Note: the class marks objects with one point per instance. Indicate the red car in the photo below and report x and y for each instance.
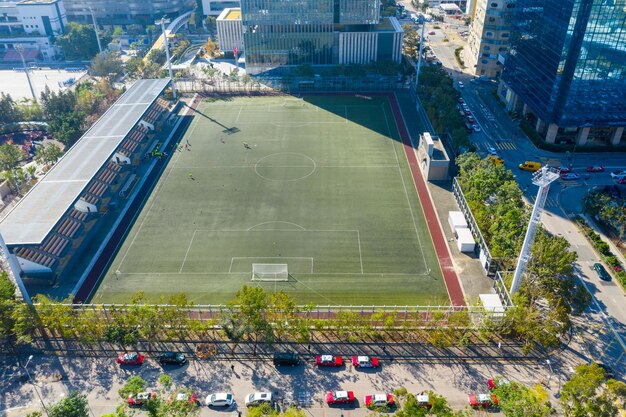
(471, 119)
(132, 358)
(595, 168)
(482, 400)
(328, 360)
(141, 398)
(339, 397)
(364, 362)
(379, 400)
(495, 383)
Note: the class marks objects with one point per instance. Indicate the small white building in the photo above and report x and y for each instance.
(31, 24)
(465, 240)
(230, 30)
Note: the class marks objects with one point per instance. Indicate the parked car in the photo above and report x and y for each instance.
(172, 358)
(286, 358)
(141, 398)
(495, 383)
(595, 168)
(496, 159)
(618, 175)
(364, 362)
(184, 397)
(339, 397)
(219, 399)
(461, 85)
(471, 119)
(570, 176)
(130, 358)
(602, 274)
(423, 400)
(328, 360)
(461, 100)
(476, 127)
(258, 398)
(492, 151)
(564, 169)
(432, 32)
(482, 400)
(379, 400)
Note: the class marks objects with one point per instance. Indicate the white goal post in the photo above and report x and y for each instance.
(270, 272)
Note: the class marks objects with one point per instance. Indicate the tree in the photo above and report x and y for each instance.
(74, 405)
(233, 327)
(9, 112)
(10, 156)
(210, 47)
(251, 303)
(211, 23)
(517, 400)
(134, 385)
(107, 64)
(157, 56)
(54, 104)
(48, 154)
(79, 42)
(585, 395)
(67, 128)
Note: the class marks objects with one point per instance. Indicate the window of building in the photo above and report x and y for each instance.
(492, 19)
(484, 61)
(494, 5)
(505, 35)
(486, 48)
(489, 34)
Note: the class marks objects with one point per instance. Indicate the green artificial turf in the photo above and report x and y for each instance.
(324, 187)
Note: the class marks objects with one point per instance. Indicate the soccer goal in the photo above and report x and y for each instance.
(294, 103)
(270, 272)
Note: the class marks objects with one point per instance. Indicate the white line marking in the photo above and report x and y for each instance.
(358, 235)
(188, 249)
(406, 192)
(238, 114)
(277, 221)
(154, 194)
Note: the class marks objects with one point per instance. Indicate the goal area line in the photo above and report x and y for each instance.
(268, 259)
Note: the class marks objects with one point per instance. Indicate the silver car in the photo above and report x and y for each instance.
(258, 398)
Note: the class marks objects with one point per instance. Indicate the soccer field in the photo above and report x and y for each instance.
(320, 183)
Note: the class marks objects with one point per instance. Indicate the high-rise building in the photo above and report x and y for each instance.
(126, 12)
(216, 7)
(279, 33)
(566, 69)
(489, 37)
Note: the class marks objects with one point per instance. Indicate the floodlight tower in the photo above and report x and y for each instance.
(542, 178)
(162, 22)
(20, 50)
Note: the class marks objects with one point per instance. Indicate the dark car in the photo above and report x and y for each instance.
(286, 358)
(608, 371)
(172, 358)
(604, 276)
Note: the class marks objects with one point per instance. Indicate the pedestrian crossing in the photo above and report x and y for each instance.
(550, 201)
(506, 145)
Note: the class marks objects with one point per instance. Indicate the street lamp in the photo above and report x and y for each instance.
(95, 28)
(162, 22)
(34, 385)
(551, 371)
(20, 50)
(422, 21)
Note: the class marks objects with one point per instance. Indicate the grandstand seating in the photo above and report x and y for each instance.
(69, 227)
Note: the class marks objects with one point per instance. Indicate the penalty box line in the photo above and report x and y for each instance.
(193, 236)
(232, 260)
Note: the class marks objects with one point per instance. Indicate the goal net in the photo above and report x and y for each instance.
(270, 272)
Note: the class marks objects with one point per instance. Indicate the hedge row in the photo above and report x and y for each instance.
(605, 251)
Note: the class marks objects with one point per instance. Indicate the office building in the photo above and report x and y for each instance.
(489, 37)
(566, 69)
(280, 33)
(216, 7)
(32, 24)
(126, 12)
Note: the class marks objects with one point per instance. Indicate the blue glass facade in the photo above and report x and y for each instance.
(567, 61)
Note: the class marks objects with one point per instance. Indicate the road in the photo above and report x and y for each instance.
(603, 327)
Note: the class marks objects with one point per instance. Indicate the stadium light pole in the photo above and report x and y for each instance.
(422, 21)
(20, 50)
(95, 28)
(162, 22)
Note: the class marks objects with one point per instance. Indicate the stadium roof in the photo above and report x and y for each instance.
(32, 219)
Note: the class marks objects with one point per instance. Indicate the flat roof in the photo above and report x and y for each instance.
(233, 13)
(32, 219)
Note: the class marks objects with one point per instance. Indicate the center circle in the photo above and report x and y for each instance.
(285, 166)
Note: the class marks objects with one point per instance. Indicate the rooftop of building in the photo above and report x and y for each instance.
(37, 2)
(230, 14)
(32, 219)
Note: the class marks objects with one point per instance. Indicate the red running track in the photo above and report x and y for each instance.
(441, 246)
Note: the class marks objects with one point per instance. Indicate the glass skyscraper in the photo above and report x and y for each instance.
(280, 33)
(566, 69)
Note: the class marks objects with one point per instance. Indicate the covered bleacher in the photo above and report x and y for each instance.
(47, 226)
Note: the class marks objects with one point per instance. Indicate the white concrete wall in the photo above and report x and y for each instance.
(357, 47)
(229, 33)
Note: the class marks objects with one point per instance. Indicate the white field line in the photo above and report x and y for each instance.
(232, 259)
(358, 235)
(188, 249)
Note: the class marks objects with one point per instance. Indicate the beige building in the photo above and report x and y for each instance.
(489, 37)
(230, 31)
